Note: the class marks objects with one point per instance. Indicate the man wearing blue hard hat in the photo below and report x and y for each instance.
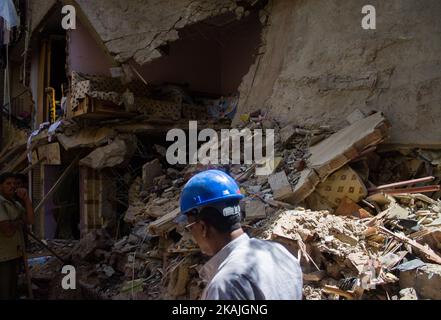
(240, 267)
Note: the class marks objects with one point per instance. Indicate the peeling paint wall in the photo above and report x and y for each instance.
(319, 65)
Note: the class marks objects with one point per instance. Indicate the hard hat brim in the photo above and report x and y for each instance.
(182, 217)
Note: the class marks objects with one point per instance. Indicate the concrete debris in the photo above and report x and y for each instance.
(353, 240)
(115, 153)
(408, 294)
(343, 146)
(280, 186)
(355, 116)
(254, 210)
(425, 280)
(87, 137)
(89, 246)
(150, 171)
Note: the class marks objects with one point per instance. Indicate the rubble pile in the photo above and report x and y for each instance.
(326, 201)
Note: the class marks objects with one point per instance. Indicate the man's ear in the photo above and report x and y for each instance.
(204, 229)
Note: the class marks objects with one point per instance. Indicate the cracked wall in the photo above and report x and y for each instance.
(318, 65)
(38, 10)
(209, 56)
(136, 28)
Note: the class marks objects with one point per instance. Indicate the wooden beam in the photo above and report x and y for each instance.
(430, 254)
(402, 183)
(425, 189)
(334, 290)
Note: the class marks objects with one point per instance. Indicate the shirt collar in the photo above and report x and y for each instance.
(210, 268)
(4, 199)
(14, 202)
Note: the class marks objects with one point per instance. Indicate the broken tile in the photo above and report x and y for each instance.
(343, 183)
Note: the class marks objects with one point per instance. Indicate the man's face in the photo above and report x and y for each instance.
(7, 188)
(18, 183)
(198, 230)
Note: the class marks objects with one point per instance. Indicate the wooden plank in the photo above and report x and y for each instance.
(402, 183)
(13, 164)
(314, 276)
(424, 189)
(11, 152)
(165, 223)
(6, 148)
(334, 290)
(430, 254)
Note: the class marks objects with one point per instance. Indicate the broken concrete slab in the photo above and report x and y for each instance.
(115, 153)
(165, 19)
(337, 150)
(355, 116)
(133, 211)
(92, 241)
(286, 134)
(304, 187)
(426, 281)
(280, 186)
(161, 150)
(433, 240)
(87, 138)
(341, 147)
(150, 171)
(254, 210)
(162, 182)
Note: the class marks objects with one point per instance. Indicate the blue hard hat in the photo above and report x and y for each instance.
(208, 187)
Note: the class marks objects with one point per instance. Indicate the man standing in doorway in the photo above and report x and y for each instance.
(240, 268)
(14, 215)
